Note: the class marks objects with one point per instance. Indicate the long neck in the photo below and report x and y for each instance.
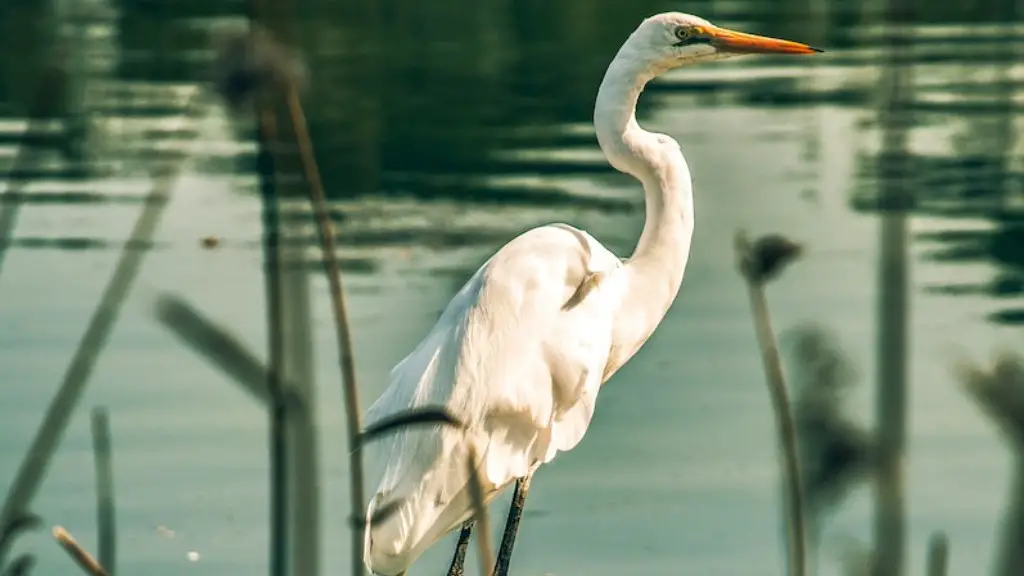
(657, 265)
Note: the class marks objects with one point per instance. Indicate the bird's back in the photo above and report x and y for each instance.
(518, 355)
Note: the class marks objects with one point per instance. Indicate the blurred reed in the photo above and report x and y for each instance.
(255, 66)
(9, 531)
(215, 344)
(759, 262)
(21, 566)
(338, 306)
(999, 393)
(893, 303)
(938, 554)
(265, 170)
(249, 67)
(105, 517)
(835, 451)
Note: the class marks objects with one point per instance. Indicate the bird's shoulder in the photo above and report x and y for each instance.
(546, 266)
(512, 304)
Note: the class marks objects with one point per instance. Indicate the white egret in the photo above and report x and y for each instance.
(522, 350)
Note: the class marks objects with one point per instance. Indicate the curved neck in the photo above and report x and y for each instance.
(656, 267)
(653, 159)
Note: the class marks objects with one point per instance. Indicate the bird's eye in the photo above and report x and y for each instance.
(683, 33)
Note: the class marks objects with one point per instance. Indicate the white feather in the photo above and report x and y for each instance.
(509, 360)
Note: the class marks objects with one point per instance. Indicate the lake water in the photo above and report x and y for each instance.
(444, 129)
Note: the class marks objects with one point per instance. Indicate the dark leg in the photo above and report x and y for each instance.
(515, 513)
(459, 560)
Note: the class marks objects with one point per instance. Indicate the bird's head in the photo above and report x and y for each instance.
(673, 39)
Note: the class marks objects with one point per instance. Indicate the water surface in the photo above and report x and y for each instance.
(444, 129)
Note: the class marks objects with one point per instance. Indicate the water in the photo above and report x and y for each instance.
(442, 132)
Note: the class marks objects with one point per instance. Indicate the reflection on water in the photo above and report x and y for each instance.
(443, 128)
(485, 103)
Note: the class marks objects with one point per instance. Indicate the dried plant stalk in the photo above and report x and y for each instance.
(338, 306)
(81, 557)
(796, 526)
(17, 525)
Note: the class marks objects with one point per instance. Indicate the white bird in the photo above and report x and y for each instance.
(522, 350)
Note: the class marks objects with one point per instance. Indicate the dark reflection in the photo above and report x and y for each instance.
(980, 176)
(75, 243)
(66, 198)
(433, 100)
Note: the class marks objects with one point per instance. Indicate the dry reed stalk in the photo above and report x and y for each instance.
(342, 326)
(757, 263)
(104, 462)
(80, 555)
(251, 65)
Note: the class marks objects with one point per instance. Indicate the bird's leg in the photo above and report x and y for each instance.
(515, 513)
(459, 559)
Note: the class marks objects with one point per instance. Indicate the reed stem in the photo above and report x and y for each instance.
(267, 136)
(105, 517)
(346, 357)
(938, 554)
(796, 533)
(80, 555)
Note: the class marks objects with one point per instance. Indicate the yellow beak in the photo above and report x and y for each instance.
(743, 43)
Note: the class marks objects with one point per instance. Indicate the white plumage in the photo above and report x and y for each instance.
(512, 326)
(522, 350)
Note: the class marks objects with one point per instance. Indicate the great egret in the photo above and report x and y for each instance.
(522, 350)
